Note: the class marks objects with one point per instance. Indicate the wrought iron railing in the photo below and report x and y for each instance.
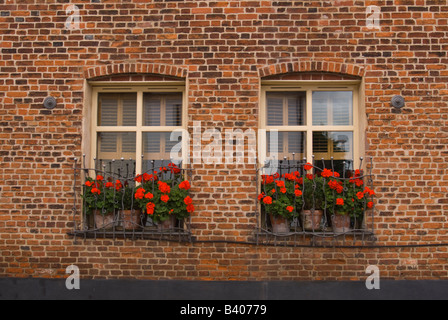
(322, 201)
(310, 196)
(109, 200)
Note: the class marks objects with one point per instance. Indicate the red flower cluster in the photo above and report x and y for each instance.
(185, 185)
(267, 200)
(189, 202)
(173, 168)
(140, 193)
(150, 207)
(308, 166)
(164, 187)
(336, 185)
(146, 177)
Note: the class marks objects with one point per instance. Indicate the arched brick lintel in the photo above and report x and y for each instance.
(134, 68)
(312, 66)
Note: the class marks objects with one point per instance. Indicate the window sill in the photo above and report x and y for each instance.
(174, 234)
(298, 238)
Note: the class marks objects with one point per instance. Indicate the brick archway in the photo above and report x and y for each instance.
(134, 68)
(312, 66)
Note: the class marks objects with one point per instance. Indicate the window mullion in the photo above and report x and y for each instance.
(309, 124)
(138, 134)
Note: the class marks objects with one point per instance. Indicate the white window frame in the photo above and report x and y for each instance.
(309, 128)
(140, 88)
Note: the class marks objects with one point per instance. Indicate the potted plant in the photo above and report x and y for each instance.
(280, 200)
(313, 198)
(131, 215)
(347, 201)
(165, 200)
(100, 202)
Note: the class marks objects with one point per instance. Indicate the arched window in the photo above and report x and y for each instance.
(137, 117)
(306, 119)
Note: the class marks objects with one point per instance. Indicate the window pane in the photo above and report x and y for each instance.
(332, 108)
(115, 109)
(116, 145)
(129, 109)
(162, 109)
(274, 110)
(338, 145)
(152, 106)
(173, 111)
(285, 108)
(296, 108)
(286, 144)
(158, 145)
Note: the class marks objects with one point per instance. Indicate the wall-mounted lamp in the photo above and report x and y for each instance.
(50, 103)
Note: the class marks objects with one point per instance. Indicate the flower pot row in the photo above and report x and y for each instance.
(311, 221)
(127, 220)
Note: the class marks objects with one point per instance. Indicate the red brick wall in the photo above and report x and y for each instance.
(223, 49)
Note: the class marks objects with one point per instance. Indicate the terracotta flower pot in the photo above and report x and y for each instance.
(312, 221)
(168, 224)
(279, 224)
(341, 222)
(106, 221)
(131, 219)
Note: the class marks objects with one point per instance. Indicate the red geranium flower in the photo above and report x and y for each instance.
(369, 191)
(339, 201)
(267, 179)
(267, 200)
(308, 166)
(289, 208)
(185, 185)
(164, 187)
(140, 193)
(165, 198)
(150, 208)
(173, 168)
(188, 200)
(280, 184)
(149, 195)
(326, 173)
